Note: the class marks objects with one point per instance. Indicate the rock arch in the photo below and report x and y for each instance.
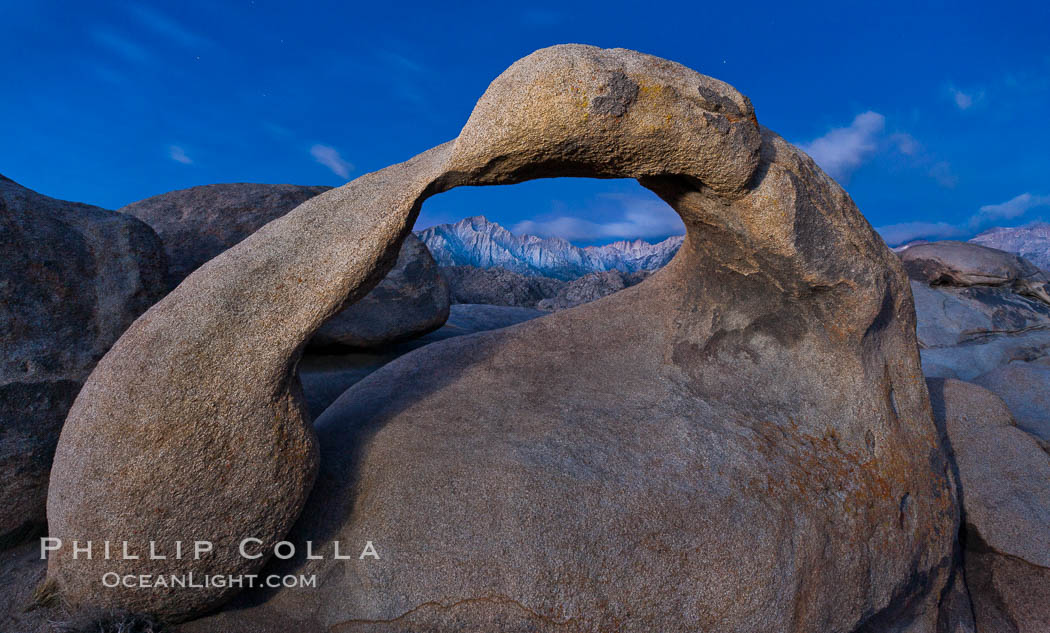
(766, 383)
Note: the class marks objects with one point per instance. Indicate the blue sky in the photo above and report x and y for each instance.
(935, 117)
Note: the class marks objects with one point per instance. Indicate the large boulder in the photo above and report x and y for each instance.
(742, 442)
(978, 308)
(72, 278)
(1003, 475)
(965, 264)
(412, 299)
(1025, 388)
(199, 223)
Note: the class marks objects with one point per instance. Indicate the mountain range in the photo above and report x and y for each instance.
(475, 241)
(1031, 242)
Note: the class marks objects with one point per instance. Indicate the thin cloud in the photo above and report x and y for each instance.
(167, 27)
(640, 219)
(843, 149)
(1012, 208)
(987, 215)
(964, 100)
(122, 46)
(179, 155)
(895, 234)
(330, 158)
(400, 61)
(943, 174)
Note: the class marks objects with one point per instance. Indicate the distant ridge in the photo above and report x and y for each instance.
(475, 241)
(1031, 242)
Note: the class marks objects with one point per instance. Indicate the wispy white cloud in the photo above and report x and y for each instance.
(330, 158)
(965, 99)
(843, 149)
(179, 155)
(400, 61)
(1012, 208)
(907, 231)
(638, 218)
(941, 171)
(985, 216)
(122, 46)
(167, 27)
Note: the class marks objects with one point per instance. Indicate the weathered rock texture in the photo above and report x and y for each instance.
(412, 299)
(498, 286)
(964, 264)
(199, 223)
(742, 442)
(1025, 388)
(1003, 475)
(591, 288)
(978, 308)
(72, 278)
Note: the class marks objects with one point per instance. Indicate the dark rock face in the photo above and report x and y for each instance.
(964, 264)
(591, 288)
(72, 278)
(750, 422)
(412, 299)
(501, 287)
(325, 376)
(1003, 475)
(1025, 388)
(977, 308)
(498, 286)
(199, 223)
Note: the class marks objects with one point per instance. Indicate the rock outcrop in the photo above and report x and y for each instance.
(199, 223)
(591, 288)
(477, 242)
(325, 376)
(498, 286)
(412, 299)
(978, 308)
(964, 264)
(1003, 475)
(1025, 388)
(742, 442)
(72, 278)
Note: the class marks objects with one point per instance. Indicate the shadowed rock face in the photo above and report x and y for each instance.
(1003, 475)
(742, 442)
(72, 278)
(978, 308)
(198, 223)
(964, 264)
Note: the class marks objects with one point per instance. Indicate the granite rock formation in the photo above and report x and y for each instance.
(978, 308)
(742, 442)
(199, 223)
(412, 299)
(72, 278)
(1003, 475)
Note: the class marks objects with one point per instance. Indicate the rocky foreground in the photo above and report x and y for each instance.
(743, 440)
